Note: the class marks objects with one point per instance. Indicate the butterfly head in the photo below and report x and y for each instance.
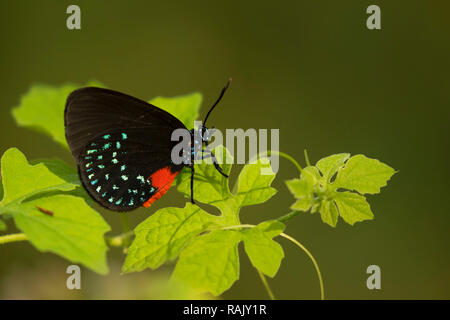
(206, 133)
(201, 135)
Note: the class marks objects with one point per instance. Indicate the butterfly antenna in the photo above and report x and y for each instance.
(217, 101)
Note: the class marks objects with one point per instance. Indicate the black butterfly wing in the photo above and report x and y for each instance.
(122, 147)
(91, 111)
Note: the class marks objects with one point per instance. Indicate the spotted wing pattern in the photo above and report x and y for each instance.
(123, 156)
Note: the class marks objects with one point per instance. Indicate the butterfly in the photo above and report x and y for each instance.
(122, 146)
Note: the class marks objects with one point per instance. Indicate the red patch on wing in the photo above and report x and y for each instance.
(162, 180)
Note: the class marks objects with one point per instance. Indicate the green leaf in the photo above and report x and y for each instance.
(302, 190)
(185, 107)
(303, 204)
(212, 188)
(264, 253)
(353, 207)
(42, 109)
(363, 175)
(58, 223)
(299, 188)
(162, 236)
(61, 169)
(209, 185)
(64, 171)
(330, 165)
(270, 228)
(311, 175)
(21, 180)
(3, 226)
(73, 230)
(210, 262)
(314, 191)
(254, 187)
(329, 213)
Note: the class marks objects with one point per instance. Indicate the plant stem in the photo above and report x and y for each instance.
(123, 239)
(119, 241)
(283, 155)
(307, 158)
(298, 244)
(13, 238)
(266, 285)
(288, 216)
(126, 228)
(291, 159)
(322, 294)
(125, 222)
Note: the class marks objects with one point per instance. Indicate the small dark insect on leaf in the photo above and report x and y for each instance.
(45, 211)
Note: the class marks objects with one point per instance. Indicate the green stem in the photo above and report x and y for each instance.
(125, 222)
(13, 238)
(126, 228)
(307, 158)
(319, 275)
(117, 241)
(283, 155)
(298, 244)
(121, 240)
(288, 216)
(266, 285)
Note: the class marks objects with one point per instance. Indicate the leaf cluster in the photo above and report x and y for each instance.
(336, 186)
(47, 203)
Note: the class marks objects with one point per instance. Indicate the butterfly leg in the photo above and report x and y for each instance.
(218, 168)
(209, 154)
(192, 184)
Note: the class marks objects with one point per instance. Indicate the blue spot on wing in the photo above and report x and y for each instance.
(118, 184)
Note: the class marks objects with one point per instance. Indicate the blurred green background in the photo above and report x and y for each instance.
(311, 69)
